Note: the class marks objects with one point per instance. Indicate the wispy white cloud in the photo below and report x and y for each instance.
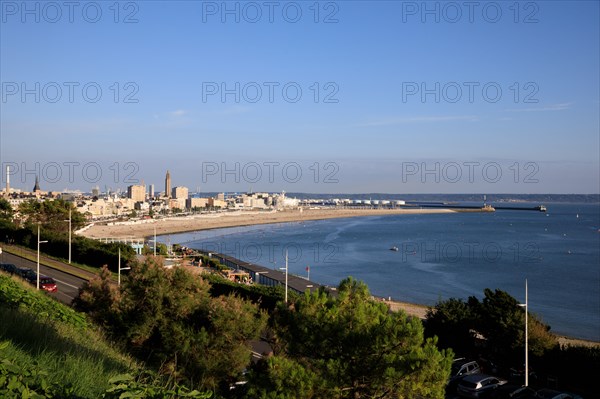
(550, 107)
(419, 119)
(178, 113)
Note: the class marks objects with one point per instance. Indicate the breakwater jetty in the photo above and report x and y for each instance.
(451, 205)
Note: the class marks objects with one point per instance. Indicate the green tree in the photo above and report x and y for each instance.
(278, 377)
(502, 321)
(358, 348)
(498, 318)
(452, 321)
(52, 214)
(168, 317)
(6, 211)
(161, 249)
(99, 298)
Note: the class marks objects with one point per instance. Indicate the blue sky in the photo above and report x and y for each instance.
(368, 130)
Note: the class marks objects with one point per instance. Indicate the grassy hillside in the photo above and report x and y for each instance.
(49, 350)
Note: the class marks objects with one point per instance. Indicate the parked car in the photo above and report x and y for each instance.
(518, 374)
(461, 367)
(25, 272)
(512, 391)
(48, 284)
(552, 394)
(478, 385)
(8, 267)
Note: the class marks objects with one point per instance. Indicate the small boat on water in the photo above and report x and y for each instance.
(395, 249)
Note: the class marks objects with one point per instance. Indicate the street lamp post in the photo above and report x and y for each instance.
(154, 243)
(526, 338)
(120, 268)
(38, 257)
(69, 235)
(286, 276)
(69, 220)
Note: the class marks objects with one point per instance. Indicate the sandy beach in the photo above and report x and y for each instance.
(173, 225)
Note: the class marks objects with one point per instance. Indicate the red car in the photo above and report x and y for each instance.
(48, 284)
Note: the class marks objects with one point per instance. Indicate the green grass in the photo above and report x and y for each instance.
(48, 350)
(41, 334)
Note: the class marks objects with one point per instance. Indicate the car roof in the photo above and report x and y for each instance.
(461, 362)
(476, 377)
(514, 388)
(549, 393)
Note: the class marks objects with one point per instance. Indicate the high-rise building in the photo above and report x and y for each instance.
(168, 185)
(151, 191)
(180, 192)
(136, 193)
(36, 187)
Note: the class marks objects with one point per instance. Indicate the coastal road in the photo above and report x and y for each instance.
(68, 285)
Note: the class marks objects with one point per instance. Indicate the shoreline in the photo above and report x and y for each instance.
(186, 224)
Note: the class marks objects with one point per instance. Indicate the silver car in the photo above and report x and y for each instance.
(478, 385)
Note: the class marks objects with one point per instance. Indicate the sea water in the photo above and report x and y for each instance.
(440, 256)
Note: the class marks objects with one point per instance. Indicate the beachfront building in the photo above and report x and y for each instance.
(137, 193)
(142, 206)
(178, 203)
(216, 203)
(253, 201)
(180, 192)
(281, 201)
(105, 207)
(192, 203)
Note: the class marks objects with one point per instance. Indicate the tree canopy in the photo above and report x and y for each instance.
(168, 318)
(6, 211)
(350, 346)
(52, 214)
(497, 318)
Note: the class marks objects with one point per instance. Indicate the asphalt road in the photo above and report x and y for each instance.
(68, 285)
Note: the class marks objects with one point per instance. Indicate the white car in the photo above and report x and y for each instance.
(478, 385)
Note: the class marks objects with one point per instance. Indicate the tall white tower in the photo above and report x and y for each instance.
(7, 180)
